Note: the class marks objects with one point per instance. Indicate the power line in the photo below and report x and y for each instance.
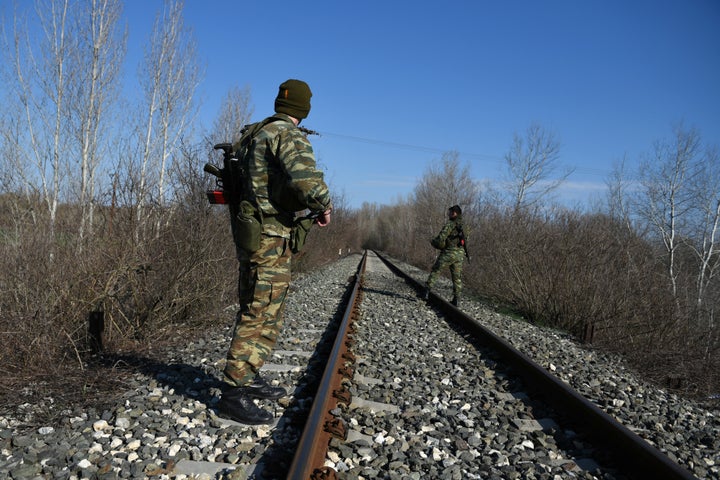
(407, 146)
(419, 148)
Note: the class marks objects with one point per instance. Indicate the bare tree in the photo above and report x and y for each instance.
(618, 195)
(532, 163)
(235, 113)
(40, 80)
(98, 59)
(667, 202)
(169, 78)
(444, 184)
(706, 224)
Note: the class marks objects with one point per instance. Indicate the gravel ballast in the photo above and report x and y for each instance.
(428, 412)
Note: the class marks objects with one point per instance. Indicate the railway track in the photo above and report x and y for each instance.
(381, 385)
(609, 450)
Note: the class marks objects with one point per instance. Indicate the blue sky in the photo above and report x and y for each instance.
(398, 83)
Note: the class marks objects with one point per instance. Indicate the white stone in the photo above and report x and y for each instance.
(95, 448)
(122, 422)
(100, 425)
(84, 463)
(173, 450)
(133, 445)
(204, 440)
(438, 454)
(156, 393)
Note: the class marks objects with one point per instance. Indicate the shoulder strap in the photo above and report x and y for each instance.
(249, 131)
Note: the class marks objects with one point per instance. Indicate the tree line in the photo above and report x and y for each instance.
(636, 273)
(102, 209)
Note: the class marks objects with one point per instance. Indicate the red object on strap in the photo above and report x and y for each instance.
(216, 196)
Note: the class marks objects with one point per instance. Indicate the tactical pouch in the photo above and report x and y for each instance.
(248, 229)
(435, 242)
(298, 234)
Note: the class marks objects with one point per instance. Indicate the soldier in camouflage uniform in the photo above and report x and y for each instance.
(283, 179)
(451, 253)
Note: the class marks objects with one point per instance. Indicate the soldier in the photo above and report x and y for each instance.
(279, 150)
(450, 242)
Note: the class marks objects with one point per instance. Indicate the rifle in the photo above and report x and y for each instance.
(463, 243)
(227, 182)
(223, 191)
(307, 131)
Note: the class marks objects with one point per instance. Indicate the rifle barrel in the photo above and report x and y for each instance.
(212, 169)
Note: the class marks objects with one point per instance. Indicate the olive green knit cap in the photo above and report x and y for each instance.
(294, 99)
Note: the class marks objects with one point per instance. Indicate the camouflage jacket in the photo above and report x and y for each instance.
(449, 236)
(284, 177)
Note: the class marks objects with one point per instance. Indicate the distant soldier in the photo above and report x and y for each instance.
(283, 179)
(451, 243)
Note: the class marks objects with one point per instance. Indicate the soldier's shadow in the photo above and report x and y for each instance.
(194, 382)
(187, 380)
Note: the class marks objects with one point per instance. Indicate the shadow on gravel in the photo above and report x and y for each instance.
(387, 293)
(204, 385)
(187, 380)
(194, 382)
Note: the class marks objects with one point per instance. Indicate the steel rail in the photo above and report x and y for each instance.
(630, 450)
(309, 459)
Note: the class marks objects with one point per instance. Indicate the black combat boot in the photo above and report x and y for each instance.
(425, 293)
(236, 405)
(454, 300)
(260, 388)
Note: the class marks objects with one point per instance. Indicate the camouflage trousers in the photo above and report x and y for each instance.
(453, 259)
(263, 283)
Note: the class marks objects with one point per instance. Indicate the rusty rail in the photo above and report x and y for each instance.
(321, 425)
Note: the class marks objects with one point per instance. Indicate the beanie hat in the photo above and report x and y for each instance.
(294, 99)
(456, 209)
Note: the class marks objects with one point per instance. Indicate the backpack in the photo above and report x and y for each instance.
(233, 185)
(231, 180)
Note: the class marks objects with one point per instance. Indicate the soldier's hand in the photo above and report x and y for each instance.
(323, 219)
